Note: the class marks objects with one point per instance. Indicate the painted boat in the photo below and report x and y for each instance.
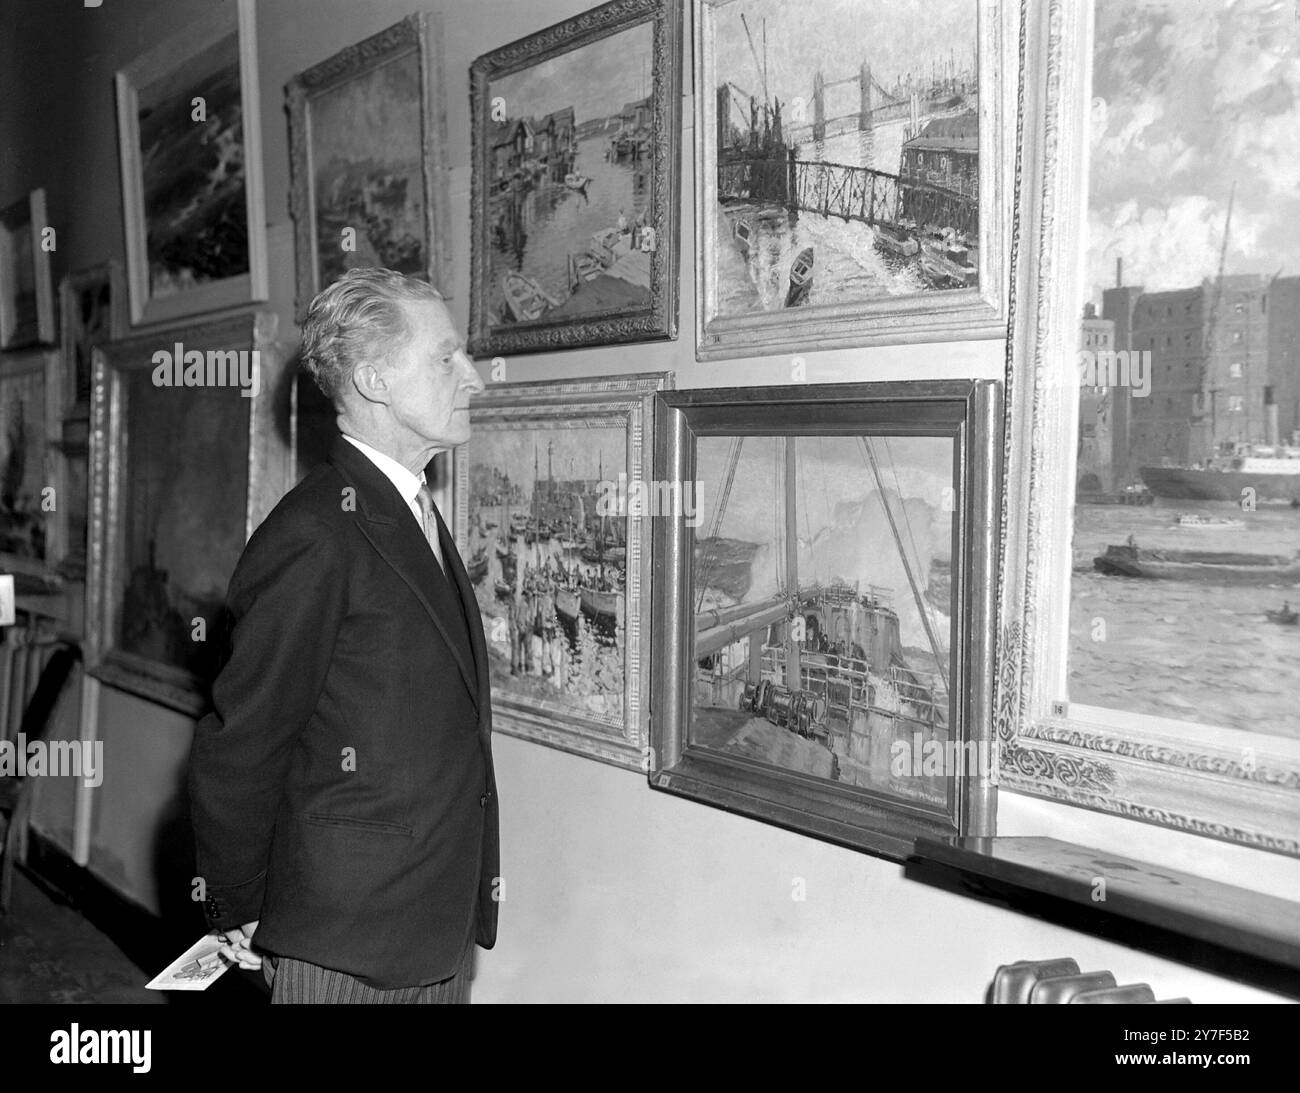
(524, 297)
(896, 241)
(743, 232)
(1203, 566)
(606, 607)
(1284, 617)
(948, 265)
(801, 275)
(1194, 521)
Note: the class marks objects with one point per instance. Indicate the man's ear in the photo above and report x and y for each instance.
(371, 383)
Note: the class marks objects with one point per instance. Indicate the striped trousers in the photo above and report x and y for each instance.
(298, 982)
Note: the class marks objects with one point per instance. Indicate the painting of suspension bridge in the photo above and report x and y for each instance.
(824, 606)
(846, 150)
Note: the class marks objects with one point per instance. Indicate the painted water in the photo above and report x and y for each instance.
(1182, 649)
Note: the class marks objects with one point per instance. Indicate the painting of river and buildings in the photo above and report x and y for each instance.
(367, 172)
(824, 607)
(847, 159)
(546, 549)
(570, 164)
(1185, 592)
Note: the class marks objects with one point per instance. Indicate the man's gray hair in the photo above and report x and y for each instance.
(358, 317)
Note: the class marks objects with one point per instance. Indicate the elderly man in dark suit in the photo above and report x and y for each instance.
(344, 802)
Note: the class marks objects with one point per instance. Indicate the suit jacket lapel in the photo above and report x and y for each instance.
(473, 618)
(393, 531)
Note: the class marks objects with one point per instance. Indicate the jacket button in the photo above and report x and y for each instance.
(482, 801)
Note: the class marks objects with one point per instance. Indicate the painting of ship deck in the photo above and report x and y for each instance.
(839, 168)
(1187, 517)
(574, 148)
(822, 631)
(823, 605)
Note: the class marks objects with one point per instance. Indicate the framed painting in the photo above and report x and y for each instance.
(574, 187)
(26, 299)
(1148, 604)
(852, 191)
(824, 614)
(550, 518)
(93, 310)
(189, 132)
(367, 133)
(187, 445)
(31, 486)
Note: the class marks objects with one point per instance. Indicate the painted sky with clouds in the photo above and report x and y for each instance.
(1188, 98)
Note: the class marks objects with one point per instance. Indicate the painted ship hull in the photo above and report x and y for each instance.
(1188, 484)
(1205, 567)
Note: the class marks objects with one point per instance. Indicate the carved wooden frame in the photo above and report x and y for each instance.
(1226, 784)
(659, 320)
(420, 33)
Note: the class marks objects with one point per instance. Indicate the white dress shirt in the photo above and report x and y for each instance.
(408, 484)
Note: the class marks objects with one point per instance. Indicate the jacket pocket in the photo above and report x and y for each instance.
(379, 827)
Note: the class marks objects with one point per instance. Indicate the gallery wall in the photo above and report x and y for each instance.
(613, 892)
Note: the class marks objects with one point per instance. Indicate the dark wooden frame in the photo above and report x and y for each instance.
(659, 320)
(867, 820)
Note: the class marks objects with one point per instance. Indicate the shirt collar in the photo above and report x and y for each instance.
(408, 484)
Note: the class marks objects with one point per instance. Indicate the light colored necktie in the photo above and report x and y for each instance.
(425, 500)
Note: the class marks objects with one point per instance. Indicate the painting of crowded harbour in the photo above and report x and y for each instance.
(1185, 592)
(837, 169)
(550, 523)
(574, 151)
(824, 605)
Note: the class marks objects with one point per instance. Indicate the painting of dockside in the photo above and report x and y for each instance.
(824, 607)
(847, 162)
(569, 178)
(1186, 571)
(546, 550)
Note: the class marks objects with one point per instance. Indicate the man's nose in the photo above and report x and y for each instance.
(472, 381)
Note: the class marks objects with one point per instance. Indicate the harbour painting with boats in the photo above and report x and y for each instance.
(847, 164)
(546, 550)
(824, 606)
(570, 164)
(1186, 552)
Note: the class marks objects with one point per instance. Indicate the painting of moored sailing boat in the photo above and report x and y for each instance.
(551, 535)
(574, 149)
(1186, 538)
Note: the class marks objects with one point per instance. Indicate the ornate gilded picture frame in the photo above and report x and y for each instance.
(1145, 666)
(823, 633)
(188, 444)
(575, 182)
(367, 133)
(559, 556)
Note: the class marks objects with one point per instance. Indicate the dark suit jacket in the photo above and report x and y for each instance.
(342, 787)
